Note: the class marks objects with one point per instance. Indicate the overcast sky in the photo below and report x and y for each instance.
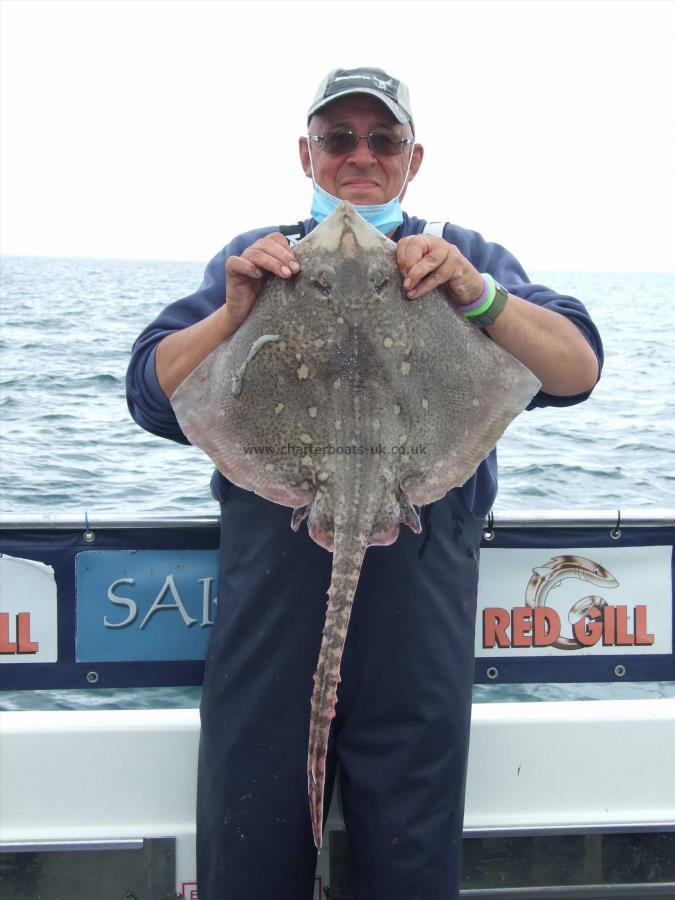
(159, 130)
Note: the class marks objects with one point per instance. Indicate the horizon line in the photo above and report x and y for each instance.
(204, 261)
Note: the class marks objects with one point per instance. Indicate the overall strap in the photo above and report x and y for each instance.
(293, 233)
(434, 228)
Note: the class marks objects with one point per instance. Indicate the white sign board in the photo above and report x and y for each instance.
(28, 624)
(585, 600)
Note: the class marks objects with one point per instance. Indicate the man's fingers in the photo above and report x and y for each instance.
(429, 262)
(272, 254)
(244, 273)
(408, 253)
(433, 280)
(242, 267)
(432, 270)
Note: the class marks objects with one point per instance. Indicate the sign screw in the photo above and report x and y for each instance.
(492, 673)
(92, 677)
(619, 671)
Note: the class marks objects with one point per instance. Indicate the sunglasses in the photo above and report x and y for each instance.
(381, 143)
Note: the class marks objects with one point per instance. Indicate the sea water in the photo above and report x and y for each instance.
(69, 446)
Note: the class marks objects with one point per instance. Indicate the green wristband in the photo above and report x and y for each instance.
(478, 310)
(489, 317)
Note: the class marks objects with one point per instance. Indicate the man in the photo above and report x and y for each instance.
(402, 719)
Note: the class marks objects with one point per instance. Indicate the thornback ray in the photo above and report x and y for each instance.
(342, 399)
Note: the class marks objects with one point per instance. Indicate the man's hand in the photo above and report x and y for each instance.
(245, 274)
(181, 351)
(428, 262)
(544, 341)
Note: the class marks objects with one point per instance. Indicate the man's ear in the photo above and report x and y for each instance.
(416, 161)
(303, 148)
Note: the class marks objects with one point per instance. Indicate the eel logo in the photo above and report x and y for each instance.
(549, 576)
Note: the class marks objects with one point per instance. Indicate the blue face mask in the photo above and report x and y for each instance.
(383, 216)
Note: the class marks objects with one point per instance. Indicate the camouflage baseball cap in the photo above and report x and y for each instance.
(341, 82)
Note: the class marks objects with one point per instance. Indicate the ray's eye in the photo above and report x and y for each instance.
(323, 283)
(378, 279)
(323, 289)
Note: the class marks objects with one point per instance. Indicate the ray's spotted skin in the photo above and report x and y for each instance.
(359, 405)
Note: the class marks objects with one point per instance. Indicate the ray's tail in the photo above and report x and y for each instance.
(349, 550)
